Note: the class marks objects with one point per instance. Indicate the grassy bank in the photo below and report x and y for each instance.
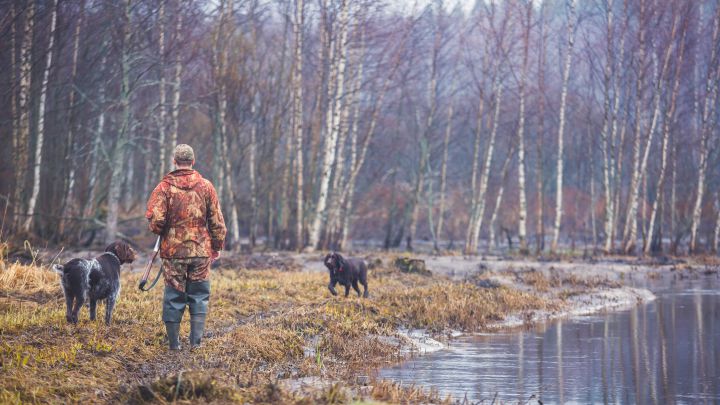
(267, 329)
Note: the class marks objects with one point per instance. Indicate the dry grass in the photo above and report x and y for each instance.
(264, 326)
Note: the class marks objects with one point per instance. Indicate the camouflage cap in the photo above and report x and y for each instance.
(184, 153)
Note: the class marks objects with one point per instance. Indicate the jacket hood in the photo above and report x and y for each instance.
(184, 179)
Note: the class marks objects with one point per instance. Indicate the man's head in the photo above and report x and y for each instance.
(184, 157)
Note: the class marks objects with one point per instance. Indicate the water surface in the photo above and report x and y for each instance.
(667, 351)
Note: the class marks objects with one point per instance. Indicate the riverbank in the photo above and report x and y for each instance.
(273, 335)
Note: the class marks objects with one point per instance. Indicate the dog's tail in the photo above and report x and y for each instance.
(58, 268)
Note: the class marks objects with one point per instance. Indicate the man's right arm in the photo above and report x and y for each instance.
(156, 212)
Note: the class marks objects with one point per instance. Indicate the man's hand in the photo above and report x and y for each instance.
(214, 255)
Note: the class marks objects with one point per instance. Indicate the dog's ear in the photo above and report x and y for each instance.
(123, 252)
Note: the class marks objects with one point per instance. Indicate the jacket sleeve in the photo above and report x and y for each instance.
(215, 220)
(156, 213)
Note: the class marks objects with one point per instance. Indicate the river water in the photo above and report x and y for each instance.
(667, 351)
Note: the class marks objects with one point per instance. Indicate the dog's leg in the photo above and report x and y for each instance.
(93, 309)
(356, 287)
(347, 290)
(68, 307)
(109, 306)
(79, 301)
(331, 287)
(363, 280)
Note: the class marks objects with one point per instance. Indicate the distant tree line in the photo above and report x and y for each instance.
(543, 123)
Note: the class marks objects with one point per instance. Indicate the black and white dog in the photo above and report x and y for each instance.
(95, 279)
(348, 272)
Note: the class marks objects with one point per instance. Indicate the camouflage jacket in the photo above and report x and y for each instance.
(184, 209)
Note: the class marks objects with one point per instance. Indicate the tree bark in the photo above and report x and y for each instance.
(176, 85)
(473, 234)
(667, 122)
(522, 200)
(708, 119)
(499, 197)
(561, 126)
(41, 121)
(334, 129)
(162, 104)
(443, 176)
(298, 121)
(23, 140)
(118, 156)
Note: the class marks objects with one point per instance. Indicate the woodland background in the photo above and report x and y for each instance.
(541, 124)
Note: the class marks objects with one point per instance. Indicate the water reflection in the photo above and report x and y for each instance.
(667, 351)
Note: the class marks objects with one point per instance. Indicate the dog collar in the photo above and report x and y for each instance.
(113, 255)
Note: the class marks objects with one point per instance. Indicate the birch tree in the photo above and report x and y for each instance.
(333, 119)
(24, 106)
(298, 119)
(561, 126)
(41, 120)
(522, 218)
(709, 117)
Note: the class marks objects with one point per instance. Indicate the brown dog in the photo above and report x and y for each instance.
(348, 272)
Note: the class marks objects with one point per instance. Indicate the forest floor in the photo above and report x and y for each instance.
(276, 335)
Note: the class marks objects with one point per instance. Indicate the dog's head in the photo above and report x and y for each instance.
(334, 262)
(122, 250)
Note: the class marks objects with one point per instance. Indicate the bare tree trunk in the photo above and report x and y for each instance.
(608, 75)
(473, 234)
(476, 163)
(70, 154)
(298, 120)
(667, 122)
(443, 176)
(522, 200)
(89, 205)
(716, 235)
(561, 126)
(23, 140)
(177, 81)
(334, 129)
(13, 96)
(711, 89)
(41, 121)
(163, 98)
(498, 199)
(118, 156)
(540, 184)
(640, 169)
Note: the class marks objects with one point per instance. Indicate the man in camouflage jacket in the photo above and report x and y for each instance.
(184, 210)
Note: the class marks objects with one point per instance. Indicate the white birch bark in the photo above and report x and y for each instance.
(162, 104)
(499, 197)
(70, 155)
(23, 138)
(605, 142)
(561, 126)
(522, 199)
(331, 141)
(667, 122)
(118, 156)
(711, 89)
(476, 221)
(41, 121)
(176, 85)
(641, 168)
(443, 175)
(298, 120)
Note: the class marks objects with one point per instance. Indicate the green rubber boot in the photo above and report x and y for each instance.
(198, 297)
(197, 327)
(173, 334)
(173, 309)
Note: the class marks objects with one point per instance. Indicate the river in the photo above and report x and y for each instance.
(666, 351)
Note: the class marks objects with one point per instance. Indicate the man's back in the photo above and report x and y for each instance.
(184, 209)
